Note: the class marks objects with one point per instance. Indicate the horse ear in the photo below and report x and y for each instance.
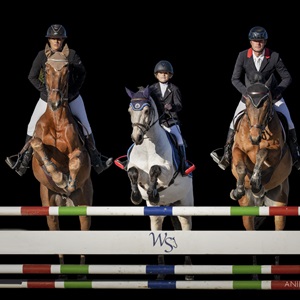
(48, 51)
(66, 50)
(146, 92)
(129, 92)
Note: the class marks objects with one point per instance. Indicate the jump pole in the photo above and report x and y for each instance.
(148, 211)
(148, 269)
(153, 284)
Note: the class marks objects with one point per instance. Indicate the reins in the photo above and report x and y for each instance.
(267, 119)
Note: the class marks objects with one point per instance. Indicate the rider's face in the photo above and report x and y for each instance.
(258, 45)
(55, 43)
(163, 76)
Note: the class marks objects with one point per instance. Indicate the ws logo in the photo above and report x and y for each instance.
(163, 240)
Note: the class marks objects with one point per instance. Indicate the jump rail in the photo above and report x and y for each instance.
(148, 211)
(148, 269)
(150, 242)
(154, 284)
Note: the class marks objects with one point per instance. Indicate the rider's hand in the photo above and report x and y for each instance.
(168, 106)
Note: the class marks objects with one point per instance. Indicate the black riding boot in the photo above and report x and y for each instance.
(99, 162)
(182, 158)
(225, 161)
(21, 163)
(294, 148)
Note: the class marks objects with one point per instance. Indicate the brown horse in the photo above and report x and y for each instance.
(261, 159)
(60, 161)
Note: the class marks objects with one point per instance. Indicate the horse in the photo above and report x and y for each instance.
(261, 159)
(60, 160)
(154, 175)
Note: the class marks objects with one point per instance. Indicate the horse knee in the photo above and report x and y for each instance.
(154, 172)
(37, 144)
(133, 175)
(74, 164)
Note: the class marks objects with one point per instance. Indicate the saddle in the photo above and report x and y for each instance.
(122, 161)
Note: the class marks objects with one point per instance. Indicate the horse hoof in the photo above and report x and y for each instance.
(232, 196)
(260, 193)
(136, 198)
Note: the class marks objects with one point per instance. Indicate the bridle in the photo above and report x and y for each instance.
(138, 104)
(58, 64)
(256, 103)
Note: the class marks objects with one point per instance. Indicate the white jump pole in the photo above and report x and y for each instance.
(150, 242)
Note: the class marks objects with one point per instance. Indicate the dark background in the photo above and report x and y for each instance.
(119, 46)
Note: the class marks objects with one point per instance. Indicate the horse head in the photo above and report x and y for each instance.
(56, 77)
(259, 110)
(142, 112)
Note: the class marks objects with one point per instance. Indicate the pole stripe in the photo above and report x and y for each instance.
(148, 269)
(153, 284)
(149, 211)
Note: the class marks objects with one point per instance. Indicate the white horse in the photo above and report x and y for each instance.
(152, 169)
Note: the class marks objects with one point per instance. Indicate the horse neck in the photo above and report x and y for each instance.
(157, 134)
(61, 114)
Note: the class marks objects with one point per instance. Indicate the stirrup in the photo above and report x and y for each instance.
(121, 162)
(215, 156)
(107, 161)
(8, 161)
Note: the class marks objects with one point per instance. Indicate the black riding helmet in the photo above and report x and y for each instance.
(163, 66)
(56, 31)
(258, 33)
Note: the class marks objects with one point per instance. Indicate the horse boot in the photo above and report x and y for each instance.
(224, 162)
(182, 158)
(23, 159)
(292, 140)
(99, 162)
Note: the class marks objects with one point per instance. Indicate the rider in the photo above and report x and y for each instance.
(56, 35)
(268, 63)
(167, 97)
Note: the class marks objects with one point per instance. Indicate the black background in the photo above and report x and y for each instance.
(119, 46)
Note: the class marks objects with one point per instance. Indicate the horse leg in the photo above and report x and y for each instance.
(277, 276)
(85, 224)
(136, 197)
(75, 164)
(239, 192)
(152, 191)
(255, 181)
(184, 223)
(156, 223)
(279, 225)
(254, 262)
(60, 179)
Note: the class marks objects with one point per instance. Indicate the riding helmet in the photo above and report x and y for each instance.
(56, 31)
(258, 33)
(163, 66)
